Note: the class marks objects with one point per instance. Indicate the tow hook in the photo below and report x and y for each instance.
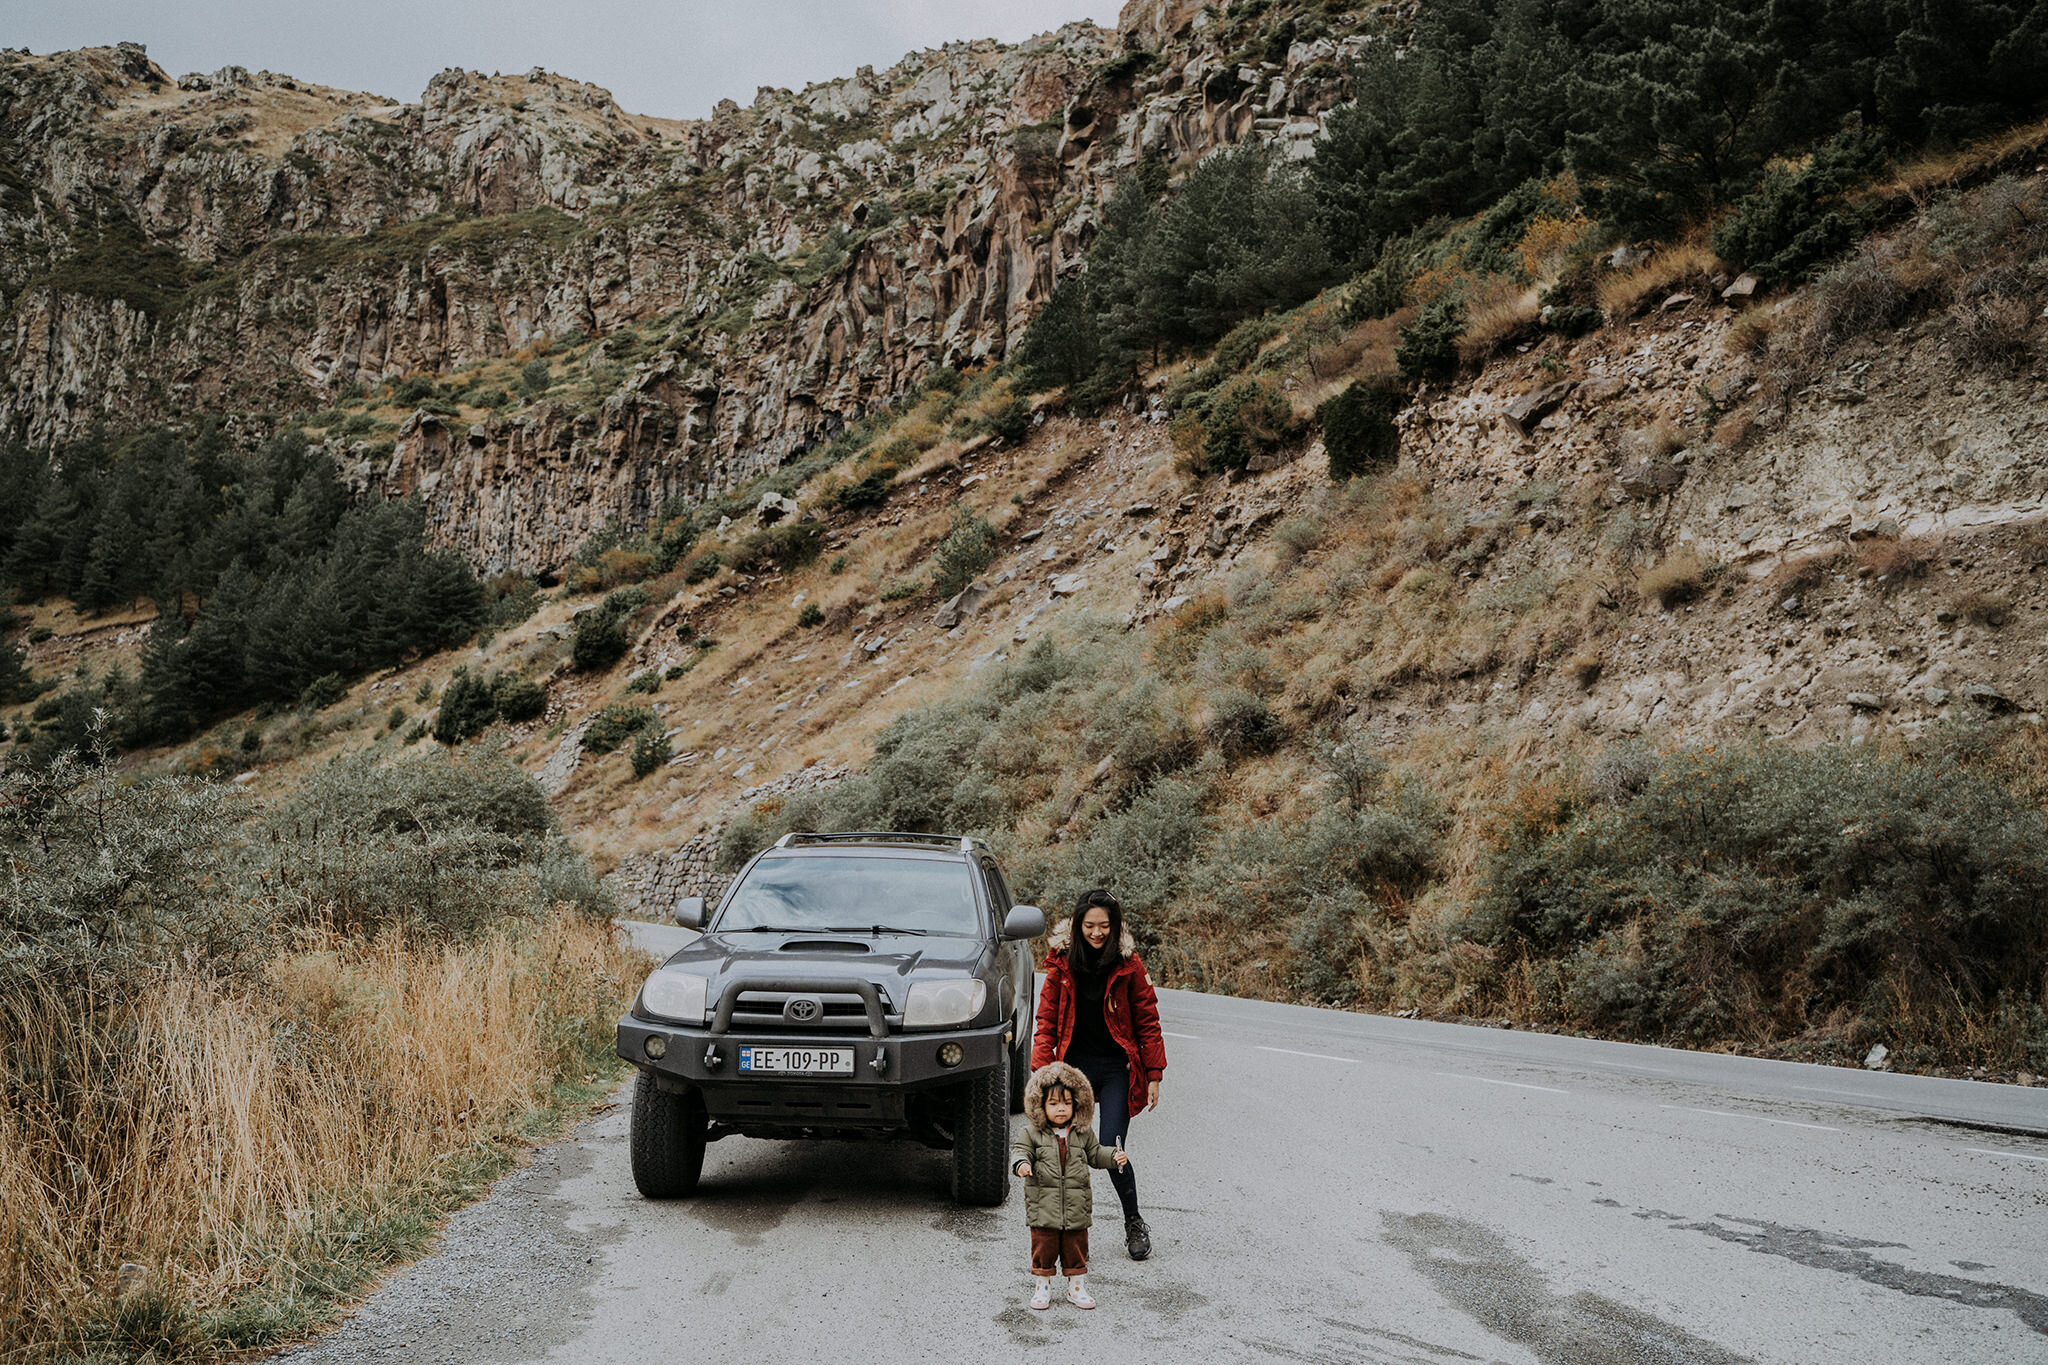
(881, 1062)
(711, 1057)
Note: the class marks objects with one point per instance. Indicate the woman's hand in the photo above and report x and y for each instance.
(1152, 1095)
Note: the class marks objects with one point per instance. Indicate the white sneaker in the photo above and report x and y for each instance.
(1077, 1292)
(1041, 1297)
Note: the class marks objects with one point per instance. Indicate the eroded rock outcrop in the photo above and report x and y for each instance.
(251, 243)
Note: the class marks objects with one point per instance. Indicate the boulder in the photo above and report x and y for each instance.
(1532, 407)
(1866, 701)
(773, 507)
(961, 605)
(1985, 695)
(1067, 584)
(1742, 290)
(1648, 478)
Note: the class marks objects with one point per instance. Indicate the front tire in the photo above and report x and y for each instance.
(667, 1141)
(981, 1137)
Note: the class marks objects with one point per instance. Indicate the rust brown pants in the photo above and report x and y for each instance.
(1067, 1249)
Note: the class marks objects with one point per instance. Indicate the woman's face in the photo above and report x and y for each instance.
(1095, 926)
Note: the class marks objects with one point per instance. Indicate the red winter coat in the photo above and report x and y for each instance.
(1130, 1011)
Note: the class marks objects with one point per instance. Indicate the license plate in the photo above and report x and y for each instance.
(797, 1061)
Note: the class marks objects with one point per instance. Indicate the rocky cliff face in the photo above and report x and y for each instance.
(249, 243)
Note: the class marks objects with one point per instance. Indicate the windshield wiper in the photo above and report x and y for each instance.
(875, 929)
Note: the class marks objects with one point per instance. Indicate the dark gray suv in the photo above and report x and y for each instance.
(849, 986)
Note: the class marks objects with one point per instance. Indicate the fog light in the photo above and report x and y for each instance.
(950, 1054)
(656, 1046)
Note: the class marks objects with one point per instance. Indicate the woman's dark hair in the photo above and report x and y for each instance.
(1113, 950)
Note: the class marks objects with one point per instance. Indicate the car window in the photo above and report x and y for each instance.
(854, 893)
(998, 894)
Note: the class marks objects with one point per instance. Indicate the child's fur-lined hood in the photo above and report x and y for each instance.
(1062, 1074)
(1063, 934)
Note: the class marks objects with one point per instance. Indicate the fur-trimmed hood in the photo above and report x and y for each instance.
(1062, 1074)
(1063, 934)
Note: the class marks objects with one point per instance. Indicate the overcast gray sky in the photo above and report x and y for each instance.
(671, 58)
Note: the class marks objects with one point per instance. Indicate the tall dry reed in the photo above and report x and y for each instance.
(206, 1132)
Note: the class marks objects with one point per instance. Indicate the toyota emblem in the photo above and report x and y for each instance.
(803, 1009)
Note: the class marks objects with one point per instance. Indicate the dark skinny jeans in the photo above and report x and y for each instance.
(1110, 1077)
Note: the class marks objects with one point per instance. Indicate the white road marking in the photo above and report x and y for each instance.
(1993, 1151)
(1488, 1080)
(1319, 1056)
(1725, 1114)
(1191, 1037)
(1834, 1093)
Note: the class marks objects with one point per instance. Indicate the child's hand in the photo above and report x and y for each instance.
(1121, 1160)
(1023, 1170)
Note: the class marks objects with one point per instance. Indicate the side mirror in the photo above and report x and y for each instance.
(1024, 921)
(690, 912)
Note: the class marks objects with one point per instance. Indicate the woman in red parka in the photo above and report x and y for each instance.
(1097, 1013)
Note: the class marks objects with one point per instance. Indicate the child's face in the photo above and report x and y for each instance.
(1059, 1109)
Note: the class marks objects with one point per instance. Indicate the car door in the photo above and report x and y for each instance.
(1015, 957)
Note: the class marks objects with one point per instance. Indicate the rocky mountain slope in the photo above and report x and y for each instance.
(248, 243)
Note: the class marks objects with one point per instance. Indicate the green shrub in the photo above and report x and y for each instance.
(1574, 319)
(870, 490)
(1798, 217)
(1383, 290)
(467, 708)
(601, 631)
(968, 548)
(518, 699)
(651, 749)
(1359, 434)
(786, 546)
(1728, 888)
(897, 592)
(1325, 942)
(810, 616)
(1008, 421)
(534, 377)
(1242, 724)
(703, 566)
(1429, 345)
(418, 389)
(396, 720)
(1246, 418)
(323, 692)
(648, 681)
(614, 726)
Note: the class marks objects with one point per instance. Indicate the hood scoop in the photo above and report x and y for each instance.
(824, 945)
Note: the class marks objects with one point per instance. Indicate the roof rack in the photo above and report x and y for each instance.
(962, 842)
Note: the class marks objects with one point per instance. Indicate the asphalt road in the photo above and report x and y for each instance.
(1322, 1187)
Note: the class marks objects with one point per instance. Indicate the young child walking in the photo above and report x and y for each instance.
(1053, 1156)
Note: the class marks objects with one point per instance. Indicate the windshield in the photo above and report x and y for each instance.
(854, 894)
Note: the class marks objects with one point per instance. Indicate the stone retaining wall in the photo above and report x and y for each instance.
(650, 884)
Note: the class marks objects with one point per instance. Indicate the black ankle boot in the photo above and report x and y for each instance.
(1137, 1237)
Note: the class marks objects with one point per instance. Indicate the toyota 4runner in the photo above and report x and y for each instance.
(848, 986)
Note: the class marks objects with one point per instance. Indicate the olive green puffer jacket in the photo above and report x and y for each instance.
(1059, 1195)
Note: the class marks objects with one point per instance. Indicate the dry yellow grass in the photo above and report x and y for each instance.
(1499, 316)
(1622, 295)
(216, 1130)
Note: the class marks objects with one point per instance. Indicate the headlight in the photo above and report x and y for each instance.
(675, 995)
(935, 1004)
